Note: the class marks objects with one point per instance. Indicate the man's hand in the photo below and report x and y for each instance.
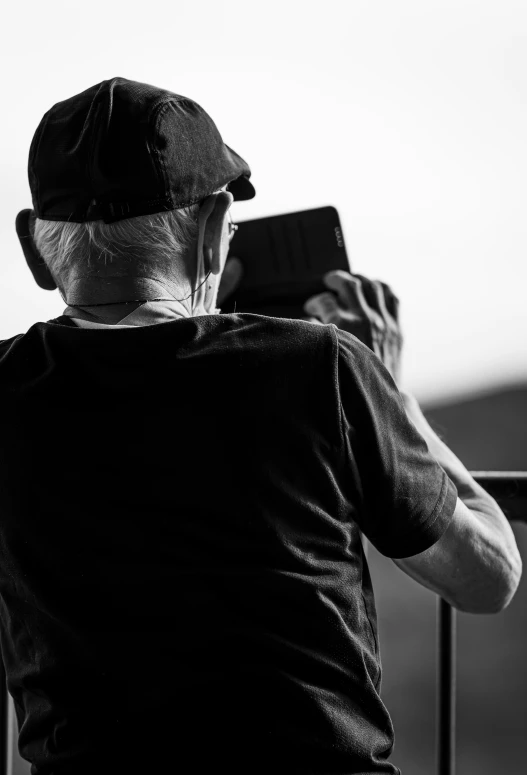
(368, 309)
(230, 279)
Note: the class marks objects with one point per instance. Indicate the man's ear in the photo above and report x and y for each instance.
(35, 262)
(213, 212)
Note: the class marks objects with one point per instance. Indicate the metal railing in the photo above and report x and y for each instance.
(4, 727)
(509, 488)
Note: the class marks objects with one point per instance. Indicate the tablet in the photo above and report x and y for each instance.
(285, 258)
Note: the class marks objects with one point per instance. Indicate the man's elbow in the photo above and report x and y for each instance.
(496, 593)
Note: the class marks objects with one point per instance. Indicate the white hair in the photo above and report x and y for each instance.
(146, 240)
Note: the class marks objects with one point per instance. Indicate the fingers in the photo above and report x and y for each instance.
(369, 292)
(381, 298)
(349, 291)
(324, 307)
(380, 302)
(362, 296)
(392, 302)
(357, 296)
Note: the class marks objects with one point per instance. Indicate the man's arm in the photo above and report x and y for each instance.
(475, 565)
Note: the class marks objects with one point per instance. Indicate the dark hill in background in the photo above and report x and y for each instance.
(487, 432)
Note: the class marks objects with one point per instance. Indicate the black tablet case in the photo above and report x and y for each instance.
(284, 258)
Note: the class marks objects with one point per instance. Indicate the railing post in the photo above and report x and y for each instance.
(446, 689)
(3, 720)
(510, 490)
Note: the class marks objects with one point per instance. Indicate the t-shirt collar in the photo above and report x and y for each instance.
(147, 314)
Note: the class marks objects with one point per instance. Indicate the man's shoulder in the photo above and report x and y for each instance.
(248, 319)
(273, 331)
(353, 351)
(6, 345)
(35, 333)
(299, 335)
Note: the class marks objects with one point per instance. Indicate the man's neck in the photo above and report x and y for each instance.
(109, 299)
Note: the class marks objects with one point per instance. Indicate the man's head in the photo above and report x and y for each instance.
(129, 181)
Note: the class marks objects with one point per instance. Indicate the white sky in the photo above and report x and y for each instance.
(410, 116)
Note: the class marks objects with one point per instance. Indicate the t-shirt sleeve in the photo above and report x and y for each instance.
(405, 500)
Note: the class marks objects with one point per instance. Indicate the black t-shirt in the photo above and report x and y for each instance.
(182, 582)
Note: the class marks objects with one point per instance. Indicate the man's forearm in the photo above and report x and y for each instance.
(468, 489)
(470, 492)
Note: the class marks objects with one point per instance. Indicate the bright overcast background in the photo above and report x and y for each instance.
(409, 116)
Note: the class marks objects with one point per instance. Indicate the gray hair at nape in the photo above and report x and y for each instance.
(146, 240)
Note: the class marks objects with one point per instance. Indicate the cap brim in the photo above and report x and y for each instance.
(241, 188)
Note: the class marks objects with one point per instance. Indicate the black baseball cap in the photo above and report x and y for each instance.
(122, 149)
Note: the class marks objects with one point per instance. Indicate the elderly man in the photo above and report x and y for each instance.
(182, 493)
